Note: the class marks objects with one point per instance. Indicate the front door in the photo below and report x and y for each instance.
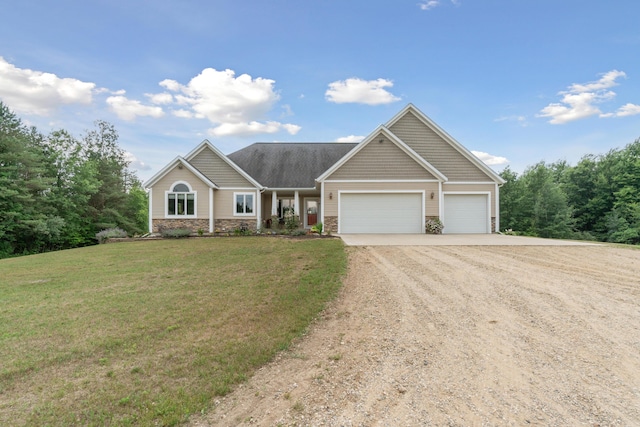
(311, 209)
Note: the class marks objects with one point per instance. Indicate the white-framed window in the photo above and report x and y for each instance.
(181, 201)
(244, 204)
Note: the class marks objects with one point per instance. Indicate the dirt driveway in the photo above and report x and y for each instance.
(462, 336)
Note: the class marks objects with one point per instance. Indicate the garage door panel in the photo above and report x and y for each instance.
(466, 214)
(381, 213)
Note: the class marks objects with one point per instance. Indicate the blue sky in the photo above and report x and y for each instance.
(516, 81)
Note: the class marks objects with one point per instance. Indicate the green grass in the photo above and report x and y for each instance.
(147, 333)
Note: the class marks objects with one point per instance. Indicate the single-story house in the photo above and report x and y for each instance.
(404, 173)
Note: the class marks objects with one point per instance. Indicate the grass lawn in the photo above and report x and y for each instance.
(147, 333)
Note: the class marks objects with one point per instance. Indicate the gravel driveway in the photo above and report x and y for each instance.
(462, 336)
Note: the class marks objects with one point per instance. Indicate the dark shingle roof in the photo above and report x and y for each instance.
(289, 165)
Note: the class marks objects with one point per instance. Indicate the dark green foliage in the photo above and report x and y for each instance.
(598, 199)
(58, 191)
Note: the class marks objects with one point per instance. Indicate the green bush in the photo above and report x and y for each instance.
(111, 233)
(175, 233)
(317, 228)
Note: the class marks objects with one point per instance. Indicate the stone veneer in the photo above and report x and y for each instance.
(226, 225)
(493, 224)
(330, 224)
(192, 224)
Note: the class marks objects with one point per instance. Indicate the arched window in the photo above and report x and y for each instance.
(181, 200)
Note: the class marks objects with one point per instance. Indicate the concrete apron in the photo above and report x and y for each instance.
(453, 240)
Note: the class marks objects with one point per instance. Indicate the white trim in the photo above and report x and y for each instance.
(244, 189)
(394, 139)
(422, 192)
(259, 210)
(305, 222)
(274, 203)
(296, 204)
(221, 155)
(440, 202)
(252, 214)
(322, 203)
(211, 211)
(191, 191)
(150, 210)
(487, 193)
(383, 180)
(448, 138)
(470, 183)
(177, 162)
(291, 188)
(497, 208)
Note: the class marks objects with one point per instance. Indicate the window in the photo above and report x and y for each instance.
(244, 203)
(181, 201)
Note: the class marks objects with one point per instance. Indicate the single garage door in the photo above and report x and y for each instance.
(381, 213)
(466, 213)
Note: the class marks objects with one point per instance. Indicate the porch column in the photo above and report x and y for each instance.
(274, 203)
(211, 218)
(296, 204)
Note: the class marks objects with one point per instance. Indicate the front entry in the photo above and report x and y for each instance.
(311, 209)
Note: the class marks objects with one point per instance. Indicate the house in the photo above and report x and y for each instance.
(405, 172)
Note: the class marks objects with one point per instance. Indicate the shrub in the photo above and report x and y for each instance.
(317, 228)
(175, 233)
(110, 233)
(434, 226)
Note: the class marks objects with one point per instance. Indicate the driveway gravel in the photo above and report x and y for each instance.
(461, 336)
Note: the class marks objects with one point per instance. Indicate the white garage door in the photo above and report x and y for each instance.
(381, 213)
(466, 213)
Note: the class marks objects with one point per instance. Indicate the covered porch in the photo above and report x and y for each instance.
(279, 204)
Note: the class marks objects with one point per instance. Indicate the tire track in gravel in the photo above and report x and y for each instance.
(461, 336)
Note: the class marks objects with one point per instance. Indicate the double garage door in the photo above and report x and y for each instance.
(403, 213)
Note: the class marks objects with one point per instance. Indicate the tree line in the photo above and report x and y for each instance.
(58, 191)
(597, 199)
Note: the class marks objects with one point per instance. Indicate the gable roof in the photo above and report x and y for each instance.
(206, 144)
(410, 108)
(289, 165)
(397, 141)
(178, 162)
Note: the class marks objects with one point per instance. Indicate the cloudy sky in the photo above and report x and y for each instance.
(516, 82)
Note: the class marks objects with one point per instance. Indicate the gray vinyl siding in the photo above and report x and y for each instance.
(381, 161)
(218, 171)
(435, 150)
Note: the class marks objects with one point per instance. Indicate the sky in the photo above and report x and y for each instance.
(514, 81)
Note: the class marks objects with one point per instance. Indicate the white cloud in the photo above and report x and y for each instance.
(160, 98)
(624, 111)
(129, 109)
(428, 5)
(36, 92)
(431, 4)
(251, 128)
(134, 163)
(355, 90)
(235, 105)
(350, 138)
(490, 159)
(579, 101)
(521, 120)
